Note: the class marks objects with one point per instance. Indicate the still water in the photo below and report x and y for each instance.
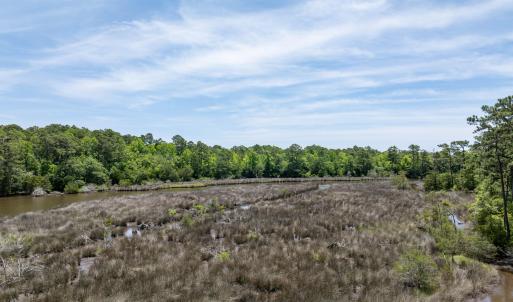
(14, 205)
(504, 290)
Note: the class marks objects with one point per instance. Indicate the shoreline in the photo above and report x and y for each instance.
(156, 186)
(240, 181)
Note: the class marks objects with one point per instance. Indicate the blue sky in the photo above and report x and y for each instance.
(336, 73)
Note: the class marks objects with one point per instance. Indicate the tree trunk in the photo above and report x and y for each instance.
(511, 181)
(450, 170)
(504, 197)
(508, 183)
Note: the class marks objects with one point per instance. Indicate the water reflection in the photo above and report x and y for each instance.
(14, 205)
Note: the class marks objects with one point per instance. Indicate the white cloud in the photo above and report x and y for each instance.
(9, 77)
(142, 56)
(210, 108)
(312, 65)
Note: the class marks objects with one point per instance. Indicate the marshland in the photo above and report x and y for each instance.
(338, 241)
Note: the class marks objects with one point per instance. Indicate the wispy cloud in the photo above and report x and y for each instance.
(145, 55)
(314, 64)
(9, 77)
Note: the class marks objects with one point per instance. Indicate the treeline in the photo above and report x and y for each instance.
(59, 157)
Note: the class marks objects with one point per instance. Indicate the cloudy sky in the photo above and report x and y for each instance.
(336, 73)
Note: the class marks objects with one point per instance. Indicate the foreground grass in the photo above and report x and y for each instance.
(265, 242)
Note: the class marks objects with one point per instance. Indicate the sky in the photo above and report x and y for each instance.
(335, 73)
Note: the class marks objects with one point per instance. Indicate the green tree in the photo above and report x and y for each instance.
(296, 166)
(180, 144)
(361, 160)
(84, 168)
(252, 165)
(447, 156)
(7, 166)
(272, 166)
(394, 158)
(414, 170)
(494, 143)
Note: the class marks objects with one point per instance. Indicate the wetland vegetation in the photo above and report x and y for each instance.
(350, 241)
(287, 224)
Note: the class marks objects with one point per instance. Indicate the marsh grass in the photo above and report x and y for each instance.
(295, 243)
(401, 182)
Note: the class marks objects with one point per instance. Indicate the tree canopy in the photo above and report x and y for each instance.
(56, 155)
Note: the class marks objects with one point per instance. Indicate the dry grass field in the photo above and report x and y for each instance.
(261, 242)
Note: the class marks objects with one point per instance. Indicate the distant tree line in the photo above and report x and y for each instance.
(57, 156)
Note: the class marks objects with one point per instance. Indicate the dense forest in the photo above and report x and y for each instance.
(57, 157)
(65, 158)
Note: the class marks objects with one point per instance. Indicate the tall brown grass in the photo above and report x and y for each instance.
(290, 242)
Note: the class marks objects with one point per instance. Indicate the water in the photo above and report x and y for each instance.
(245, 207)
(324, 187)
(456, 221)
(130, 232)
(504, 290)
(14, 205)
